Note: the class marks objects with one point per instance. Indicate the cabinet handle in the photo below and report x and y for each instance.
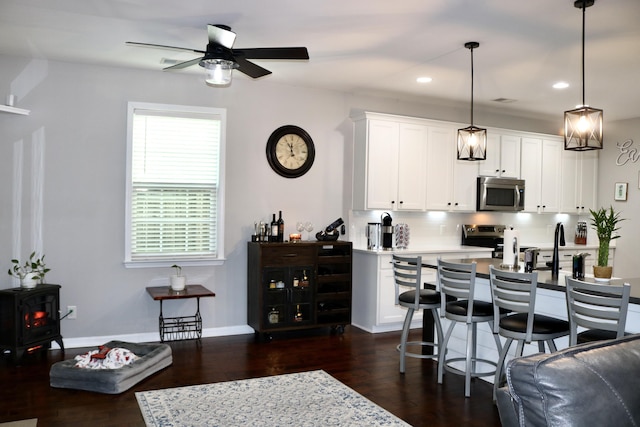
(290, 255)
(456, 204)
(497, 170)
(393, 202)
(401, 201)
(449, 204)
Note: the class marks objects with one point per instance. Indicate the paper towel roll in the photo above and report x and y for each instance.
(511, 247)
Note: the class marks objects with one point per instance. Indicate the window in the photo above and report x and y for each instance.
(175, 192)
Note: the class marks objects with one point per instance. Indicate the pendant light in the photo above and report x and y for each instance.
(583, 125)
(472, 140)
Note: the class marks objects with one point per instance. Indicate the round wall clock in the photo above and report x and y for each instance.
(290, 151)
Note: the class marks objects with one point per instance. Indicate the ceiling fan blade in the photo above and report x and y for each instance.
(251, 69)
(273, 53)
(184, 64)
(160, 46)
(222, 35)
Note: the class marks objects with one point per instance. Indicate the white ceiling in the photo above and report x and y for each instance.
(366, 46)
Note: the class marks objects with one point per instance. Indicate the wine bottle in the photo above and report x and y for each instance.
(274, 229)
(280, 227)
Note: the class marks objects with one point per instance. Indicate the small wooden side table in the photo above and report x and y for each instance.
(183, 327)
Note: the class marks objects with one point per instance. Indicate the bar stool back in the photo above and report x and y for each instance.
(457, 281)
(516, 293)
(407, 273)
(601, 308)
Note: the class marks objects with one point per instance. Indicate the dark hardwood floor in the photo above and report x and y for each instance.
(368, 363)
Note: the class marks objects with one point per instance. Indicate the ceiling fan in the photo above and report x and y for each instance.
(220, 59)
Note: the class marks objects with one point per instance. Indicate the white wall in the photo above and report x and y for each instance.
(74, 210)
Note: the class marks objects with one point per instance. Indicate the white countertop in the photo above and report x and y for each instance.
(427, 249)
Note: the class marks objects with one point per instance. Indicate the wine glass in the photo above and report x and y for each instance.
(300, 227)
(309, 227)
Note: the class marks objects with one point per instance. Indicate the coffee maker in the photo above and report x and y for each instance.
(387, 232)
(373, 236)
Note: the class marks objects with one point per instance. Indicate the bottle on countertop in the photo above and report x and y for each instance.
(280, 227)
(274, 229)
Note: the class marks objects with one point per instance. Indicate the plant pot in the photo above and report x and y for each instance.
(29, 281)
(602, 272)
(178, 283)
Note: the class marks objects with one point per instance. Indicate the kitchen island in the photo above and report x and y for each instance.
(545, 281)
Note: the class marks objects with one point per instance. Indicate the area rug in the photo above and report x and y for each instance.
(33, 422)
(307, 399)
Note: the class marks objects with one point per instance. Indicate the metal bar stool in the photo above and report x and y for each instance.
(601, 308)
(407, 273)
(516, 293)
(457, 281)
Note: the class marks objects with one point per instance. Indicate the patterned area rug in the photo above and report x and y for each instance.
(307, 399)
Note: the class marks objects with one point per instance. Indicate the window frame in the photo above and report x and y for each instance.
(220, 226)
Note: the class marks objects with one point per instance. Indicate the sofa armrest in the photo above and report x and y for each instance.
(506, 408)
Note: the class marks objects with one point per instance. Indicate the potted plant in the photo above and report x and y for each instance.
(605, 222)
(31, 272)
(177, 281)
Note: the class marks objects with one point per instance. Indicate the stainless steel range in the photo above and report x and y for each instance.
(484, 236)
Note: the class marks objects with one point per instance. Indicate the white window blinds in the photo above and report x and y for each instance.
(174, 184)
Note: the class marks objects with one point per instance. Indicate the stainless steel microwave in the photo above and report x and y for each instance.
(500, 194)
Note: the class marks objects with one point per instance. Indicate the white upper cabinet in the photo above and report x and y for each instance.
(406, 163)
(391, 154)
(503, 155)
(579, 181)
(540, 168)
(451, 183)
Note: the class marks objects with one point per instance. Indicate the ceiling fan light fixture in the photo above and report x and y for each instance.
(472, 140)
(583, 125)
(218, 71)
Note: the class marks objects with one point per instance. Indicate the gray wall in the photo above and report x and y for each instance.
(616, 166)
(65, 195)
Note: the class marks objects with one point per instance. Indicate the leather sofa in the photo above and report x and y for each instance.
(593, 384)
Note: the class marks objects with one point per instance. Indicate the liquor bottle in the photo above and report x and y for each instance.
(280, 227)
(274, 229)
(298, 315)
(274, 316)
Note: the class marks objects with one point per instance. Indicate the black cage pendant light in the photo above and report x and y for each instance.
(472, 140)
(583, 125)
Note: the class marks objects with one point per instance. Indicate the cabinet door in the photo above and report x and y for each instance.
(464, 185)
(412, 167)
(491, 166)
(531, 171)
(588, 181)
(551, 174)
(289, 304)
(503, 156)
(440, 156)
(510, 156)
(569, 191)
(382, 164)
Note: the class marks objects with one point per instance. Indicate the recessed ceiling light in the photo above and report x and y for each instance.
(424, 79)
(561, 85)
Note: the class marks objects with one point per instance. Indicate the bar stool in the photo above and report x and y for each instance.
(458, 280)
(601, 308)
(407, 273)
(516, 292)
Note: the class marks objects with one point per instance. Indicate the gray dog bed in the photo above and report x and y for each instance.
(153, 357)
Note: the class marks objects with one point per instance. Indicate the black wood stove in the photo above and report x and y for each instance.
(29, 319)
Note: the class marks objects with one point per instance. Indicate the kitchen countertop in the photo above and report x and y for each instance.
(426, 249)
(545, 280)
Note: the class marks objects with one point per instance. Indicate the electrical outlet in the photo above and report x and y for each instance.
(73, 312)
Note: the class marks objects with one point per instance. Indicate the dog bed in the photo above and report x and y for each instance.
(153, 357)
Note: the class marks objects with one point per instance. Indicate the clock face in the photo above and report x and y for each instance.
(290, 151)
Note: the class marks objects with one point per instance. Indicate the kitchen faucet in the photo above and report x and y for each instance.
(558, 240)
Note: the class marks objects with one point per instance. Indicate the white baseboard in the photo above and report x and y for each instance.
(148, 337)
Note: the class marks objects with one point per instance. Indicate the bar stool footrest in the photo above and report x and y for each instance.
(474, 374)
(420, 344)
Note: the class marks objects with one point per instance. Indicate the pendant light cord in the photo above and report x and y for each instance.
(584, 14)
(471, 48)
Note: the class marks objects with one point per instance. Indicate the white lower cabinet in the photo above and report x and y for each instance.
(374, 309)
